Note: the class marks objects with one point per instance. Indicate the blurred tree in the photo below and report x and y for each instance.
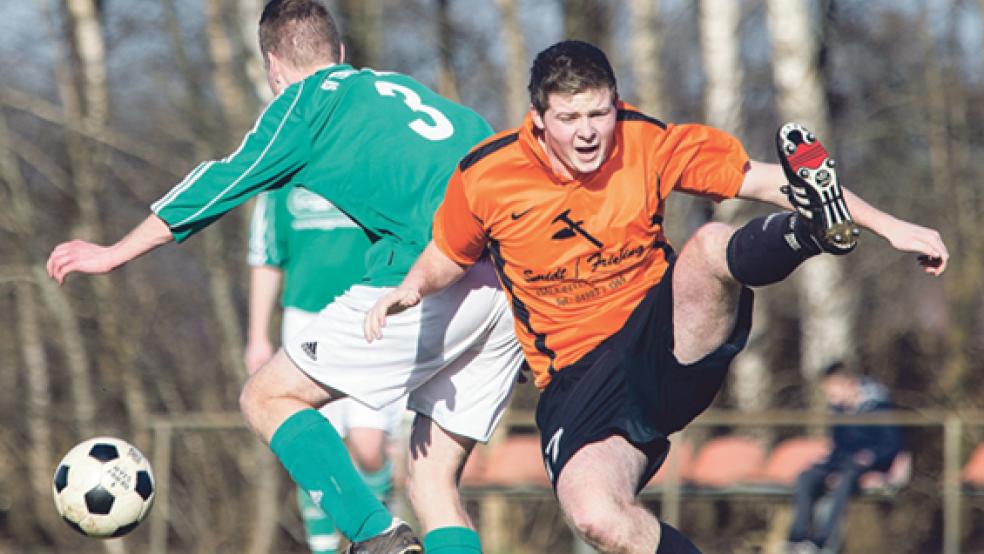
(517, 99)
(590, 21)
(447, 84)
(86, 102)
(361, 28)
(719, 21)
(647, 51)
(30, 338)
(826, 312)
(946, 111)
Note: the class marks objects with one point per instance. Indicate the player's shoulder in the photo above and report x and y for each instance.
(629, 115)
(492, 149)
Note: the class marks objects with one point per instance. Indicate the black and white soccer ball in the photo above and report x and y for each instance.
(104, 487)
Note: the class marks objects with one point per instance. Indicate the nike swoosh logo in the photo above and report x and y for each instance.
(516, 216)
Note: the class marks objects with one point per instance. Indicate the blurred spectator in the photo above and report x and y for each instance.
(856, 450)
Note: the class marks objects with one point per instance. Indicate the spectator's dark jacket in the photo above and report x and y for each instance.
(884, 441)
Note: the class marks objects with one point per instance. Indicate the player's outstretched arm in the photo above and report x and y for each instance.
(763, 182)
(432, 272)
(87, 257)
(902, 235)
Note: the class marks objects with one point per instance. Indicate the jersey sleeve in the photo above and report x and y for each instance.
(266, 244)
(701, 160)
(275, 149)
(457, 231)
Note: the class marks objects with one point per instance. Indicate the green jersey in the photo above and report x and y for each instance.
(380, 146)
(319, 249)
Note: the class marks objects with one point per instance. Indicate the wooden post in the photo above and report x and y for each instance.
(160, 517)
(952, 429)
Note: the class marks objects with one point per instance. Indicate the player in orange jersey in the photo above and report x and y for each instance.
(628, 341)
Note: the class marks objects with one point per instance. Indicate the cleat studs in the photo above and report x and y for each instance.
(804, 173)
(790, 149)
(856, 232)
(811, 137)
(838, 238)
(831, 162)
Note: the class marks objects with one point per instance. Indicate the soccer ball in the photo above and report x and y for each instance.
(103, 487)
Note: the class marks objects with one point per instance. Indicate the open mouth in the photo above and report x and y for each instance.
(586, 152)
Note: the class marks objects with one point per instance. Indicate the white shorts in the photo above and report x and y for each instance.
(455, 354)
(346, 413)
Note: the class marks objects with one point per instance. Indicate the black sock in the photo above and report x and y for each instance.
(767, 249)
(672, 541)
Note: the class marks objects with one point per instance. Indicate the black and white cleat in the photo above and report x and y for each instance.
(814, 189)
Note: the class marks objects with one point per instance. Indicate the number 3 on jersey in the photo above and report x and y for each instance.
(439, 130)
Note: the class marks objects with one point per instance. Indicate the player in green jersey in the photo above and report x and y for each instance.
(305, 248)
(381, 148)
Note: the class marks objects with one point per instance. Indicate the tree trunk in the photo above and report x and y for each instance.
(237, 110)
(447, 84)
(248, 16)
(38, 401)
(826, 310)
(517, 97)
(360, 22)
(948, 156)
(647, 47)
(590, 21)
(87, 160)
(238, 107)
(719, 20)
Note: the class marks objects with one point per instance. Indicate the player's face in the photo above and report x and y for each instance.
(578, 130)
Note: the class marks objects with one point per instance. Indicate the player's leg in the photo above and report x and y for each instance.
(369, 433)
(596, 490)
(597, 493)
(765, 250)
(459, 406)
(420, 343)
(436, 460)
(278, 402)
(365, 443)
(322, 535)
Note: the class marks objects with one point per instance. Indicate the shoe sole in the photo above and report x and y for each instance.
(814, 189)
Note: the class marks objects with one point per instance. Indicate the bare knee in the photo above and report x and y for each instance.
(426, 479)
(710, 243)
(367, 447)
(251, 400)
(598, 523)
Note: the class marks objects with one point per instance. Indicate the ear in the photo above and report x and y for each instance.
(537, 118)
(274, 65)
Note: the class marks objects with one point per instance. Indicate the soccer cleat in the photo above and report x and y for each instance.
(813, 188)
(398, 539)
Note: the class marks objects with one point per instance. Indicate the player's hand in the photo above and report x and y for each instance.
(81, 256)
(257, 353)
(393, 302)
(928, 243)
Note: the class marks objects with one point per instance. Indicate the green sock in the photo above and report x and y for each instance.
(452, 540)
(322, 537)
(315, 456)
(380, 482)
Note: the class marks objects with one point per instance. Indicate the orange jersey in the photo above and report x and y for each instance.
(577, 256)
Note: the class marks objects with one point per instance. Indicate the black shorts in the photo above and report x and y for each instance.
(632, 385)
